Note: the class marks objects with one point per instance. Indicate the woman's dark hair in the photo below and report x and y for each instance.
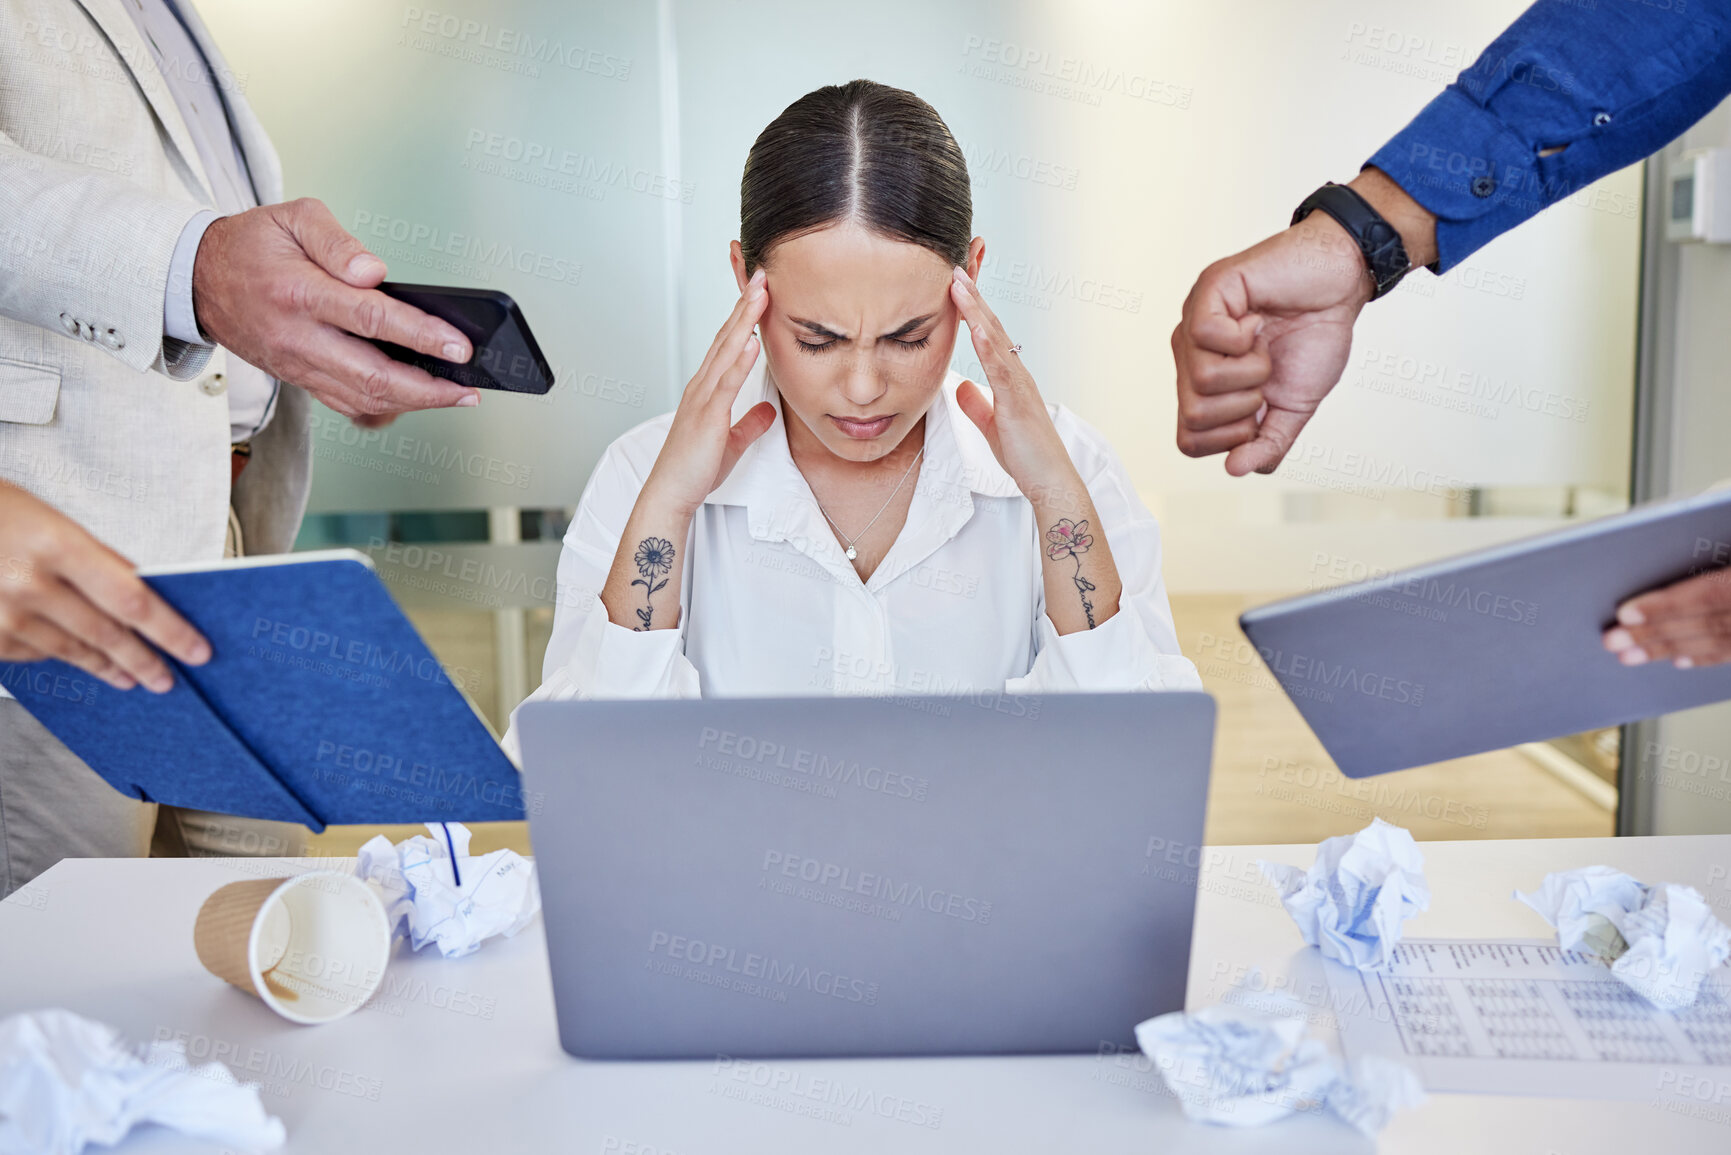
(859, 151)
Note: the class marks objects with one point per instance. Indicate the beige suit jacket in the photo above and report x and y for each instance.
(100, 415)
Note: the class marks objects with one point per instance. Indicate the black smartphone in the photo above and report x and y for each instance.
(505, 353)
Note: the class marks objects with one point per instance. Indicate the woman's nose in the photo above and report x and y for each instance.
(863, 383)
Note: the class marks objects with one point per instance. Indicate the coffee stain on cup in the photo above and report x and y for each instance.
(275, 986)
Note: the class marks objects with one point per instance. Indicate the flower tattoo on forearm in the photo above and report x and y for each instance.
(654, 559)
(1071, 539)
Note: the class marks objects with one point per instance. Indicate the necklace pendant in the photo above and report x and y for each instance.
(852, 553)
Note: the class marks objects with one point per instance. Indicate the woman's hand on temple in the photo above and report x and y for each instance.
(1014, 417)
(704, 442)
(1080, 578)
(703, 445)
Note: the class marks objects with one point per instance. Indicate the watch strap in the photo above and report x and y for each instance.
(1384, 254)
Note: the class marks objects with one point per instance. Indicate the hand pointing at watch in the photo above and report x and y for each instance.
(1265, 333)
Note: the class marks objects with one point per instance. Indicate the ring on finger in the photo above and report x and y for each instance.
(1016, 349)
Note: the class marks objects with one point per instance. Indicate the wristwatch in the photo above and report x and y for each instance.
(1384, 254)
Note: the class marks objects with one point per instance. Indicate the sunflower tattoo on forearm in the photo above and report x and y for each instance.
(1071, 539)
(654, 559)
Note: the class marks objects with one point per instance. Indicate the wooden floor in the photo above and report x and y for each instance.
(1272, 782)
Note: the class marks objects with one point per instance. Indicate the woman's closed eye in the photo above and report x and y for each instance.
(901, 342)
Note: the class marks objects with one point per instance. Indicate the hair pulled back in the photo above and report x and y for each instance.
(861, 152)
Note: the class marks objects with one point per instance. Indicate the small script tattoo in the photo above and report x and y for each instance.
(1071, 539)
(654, 559)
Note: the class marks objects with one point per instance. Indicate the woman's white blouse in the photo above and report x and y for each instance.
(770, 606)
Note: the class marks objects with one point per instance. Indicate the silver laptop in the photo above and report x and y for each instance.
(995, 874)
(1493, 648)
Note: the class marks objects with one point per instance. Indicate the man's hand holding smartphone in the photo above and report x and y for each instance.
(286, 288)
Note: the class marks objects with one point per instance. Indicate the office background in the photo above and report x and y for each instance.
(585, 157)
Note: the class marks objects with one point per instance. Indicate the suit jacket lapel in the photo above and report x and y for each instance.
(261, 157)
(117, 25)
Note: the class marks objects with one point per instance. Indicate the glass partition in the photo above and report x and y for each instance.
(585, 157)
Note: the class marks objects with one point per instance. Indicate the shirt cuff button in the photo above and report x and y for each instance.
(1484, 186)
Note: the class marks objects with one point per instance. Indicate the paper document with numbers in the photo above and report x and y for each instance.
(1524, 1017)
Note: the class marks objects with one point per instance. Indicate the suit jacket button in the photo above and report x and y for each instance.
(67, 323)
(112, 339)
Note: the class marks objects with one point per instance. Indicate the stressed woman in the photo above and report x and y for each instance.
(829, 510)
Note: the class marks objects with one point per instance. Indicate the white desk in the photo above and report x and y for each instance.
(462, 1055)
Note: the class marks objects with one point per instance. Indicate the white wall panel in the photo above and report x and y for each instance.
(1118, 149)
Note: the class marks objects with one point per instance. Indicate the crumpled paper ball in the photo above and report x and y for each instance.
(1660, 941)
(1235, 1067)
(67, 1082)
(1355, 897)
(424, 901)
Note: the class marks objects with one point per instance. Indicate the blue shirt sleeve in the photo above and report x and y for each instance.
(1612, 80)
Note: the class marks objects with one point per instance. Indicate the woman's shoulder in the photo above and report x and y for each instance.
(633, 452)
(623, 468)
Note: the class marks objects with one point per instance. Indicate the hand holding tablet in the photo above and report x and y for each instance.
(1507, 645)
(1687, 623)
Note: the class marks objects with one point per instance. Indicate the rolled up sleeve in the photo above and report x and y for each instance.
(1136, 648)
(588, 655)
(1119, 654)
(1606, 84)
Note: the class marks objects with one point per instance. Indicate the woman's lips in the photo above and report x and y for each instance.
(863, 428)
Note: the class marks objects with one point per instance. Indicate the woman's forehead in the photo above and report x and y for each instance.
(856, 273)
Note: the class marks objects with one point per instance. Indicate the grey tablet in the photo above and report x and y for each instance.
(1492, 648)
(910, 876)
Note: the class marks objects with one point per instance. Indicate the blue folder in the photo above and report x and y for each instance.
(320, 704)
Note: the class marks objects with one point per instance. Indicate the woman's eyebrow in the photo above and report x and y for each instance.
(901, 331)
(907, 328)
(817, 328)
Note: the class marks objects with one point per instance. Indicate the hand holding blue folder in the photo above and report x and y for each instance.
(320, 705)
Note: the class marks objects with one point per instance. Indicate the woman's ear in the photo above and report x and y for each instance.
(736, 256)
(976, 256)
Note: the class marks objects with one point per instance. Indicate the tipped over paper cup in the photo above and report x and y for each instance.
(313, 947)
